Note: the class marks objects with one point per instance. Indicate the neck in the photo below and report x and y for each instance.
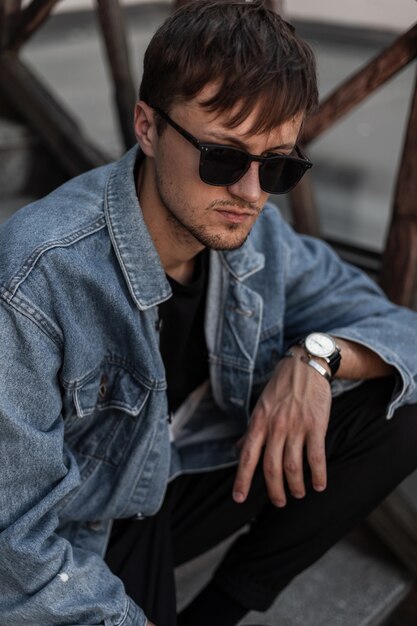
(177, 249)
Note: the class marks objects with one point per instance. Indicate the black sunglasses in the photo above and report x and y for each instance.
(223, 165)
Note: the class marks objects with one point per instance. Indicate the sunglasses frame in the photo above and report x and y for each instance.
(204, 148)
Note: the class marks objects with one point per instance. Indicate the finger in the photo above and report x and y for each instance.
(249, 458)
(293, 466)
(316, 455)
(273, 472)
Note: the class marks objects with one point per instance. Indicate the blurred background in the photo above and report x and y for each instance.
(355, 163)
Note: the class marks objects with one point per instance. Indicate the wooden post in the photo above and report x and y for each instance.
(276, 5)
(9, 10)
(303, 208)
(60, 133)
(181, 3)
(399, 266)
(114, 35)
(353, 91)
(30, 20)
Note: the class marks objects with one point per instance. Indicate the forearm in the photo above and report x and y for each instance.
(291, 414)
(359, 362)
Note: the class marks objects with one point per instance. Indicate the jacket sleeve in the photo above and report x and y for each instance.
(324, 293)
(44, 580)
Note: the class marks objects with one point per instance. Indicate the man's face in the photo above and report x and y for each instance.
(202, 215)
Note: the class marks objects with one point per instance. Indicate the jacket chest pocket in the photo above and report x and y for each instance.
(105, 409)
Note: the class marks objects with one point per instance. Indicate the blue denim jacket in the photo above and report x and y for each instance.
(83, 414)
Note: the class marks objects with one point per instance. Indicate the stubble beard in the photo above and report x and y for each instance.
(193, 232)
(190, 232)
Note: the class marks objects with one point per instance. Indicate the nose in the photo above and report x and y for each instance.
(248, 188)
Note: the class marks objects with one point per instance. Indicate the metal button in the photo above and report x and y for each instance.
(102, 390)
(139, 516)
(96, 525)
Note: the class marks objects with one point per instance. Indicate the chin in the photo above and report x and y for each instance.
(223, 243)
(230, 238)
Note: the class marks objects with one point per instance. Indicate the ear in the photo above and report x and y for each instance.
(145, 128)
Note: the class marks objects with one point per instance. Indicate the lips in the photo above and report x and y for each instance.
(235, 217)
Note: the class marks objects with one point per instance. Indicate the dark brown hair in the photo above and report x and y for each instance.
(254, 56)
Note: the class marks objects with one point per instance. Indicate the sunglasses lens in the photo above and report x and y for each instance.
(281, 175)
(222, 166)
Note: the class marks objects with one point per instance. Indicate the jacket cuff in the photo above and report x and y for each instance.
(133, 616)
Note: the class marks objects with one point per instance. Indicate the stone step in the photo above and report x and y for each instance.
(356, 583)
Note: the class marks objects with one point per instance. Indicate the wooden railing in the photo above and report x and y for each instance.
(399, 264)
(26, 94)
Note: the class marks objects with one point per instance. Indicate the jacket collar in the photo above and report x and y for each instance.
(244, 261)
(131, 240)
(133, 245)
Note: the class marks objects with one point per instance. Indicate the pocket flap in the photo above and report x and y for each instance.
(110, 386)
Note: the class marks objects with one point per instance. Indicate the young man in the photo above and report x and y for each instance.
(167, 348)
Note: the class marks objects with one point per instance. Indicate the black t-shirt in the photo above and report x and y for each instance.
(182, 341)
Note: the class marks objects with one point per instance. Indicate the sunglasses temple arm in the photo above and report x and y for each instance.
(178, 128)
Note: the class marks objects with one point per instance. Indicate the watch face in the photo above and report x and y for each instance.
(319, 344)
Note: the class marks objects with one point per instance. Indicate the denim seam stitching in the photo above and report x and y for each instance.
(148, 383)
(242, 277)
(38, 320)
(114, 237)
(125, 613)
(273, 330)
(31, 261)
(241, 364)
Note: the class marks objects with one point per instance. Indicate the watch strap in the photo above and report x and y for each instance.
(334, 361)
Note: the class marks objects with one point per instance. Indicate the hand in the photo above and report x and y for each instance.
(292, 412)
(148, 623)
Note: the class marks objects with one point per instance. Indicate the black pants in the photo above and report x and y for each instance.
(367, 457)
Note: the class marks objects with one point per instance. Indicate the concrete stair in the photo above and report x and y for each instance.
(356, 583)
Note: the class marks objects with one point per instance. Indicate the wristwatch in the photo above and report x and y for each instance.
(323, 346)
